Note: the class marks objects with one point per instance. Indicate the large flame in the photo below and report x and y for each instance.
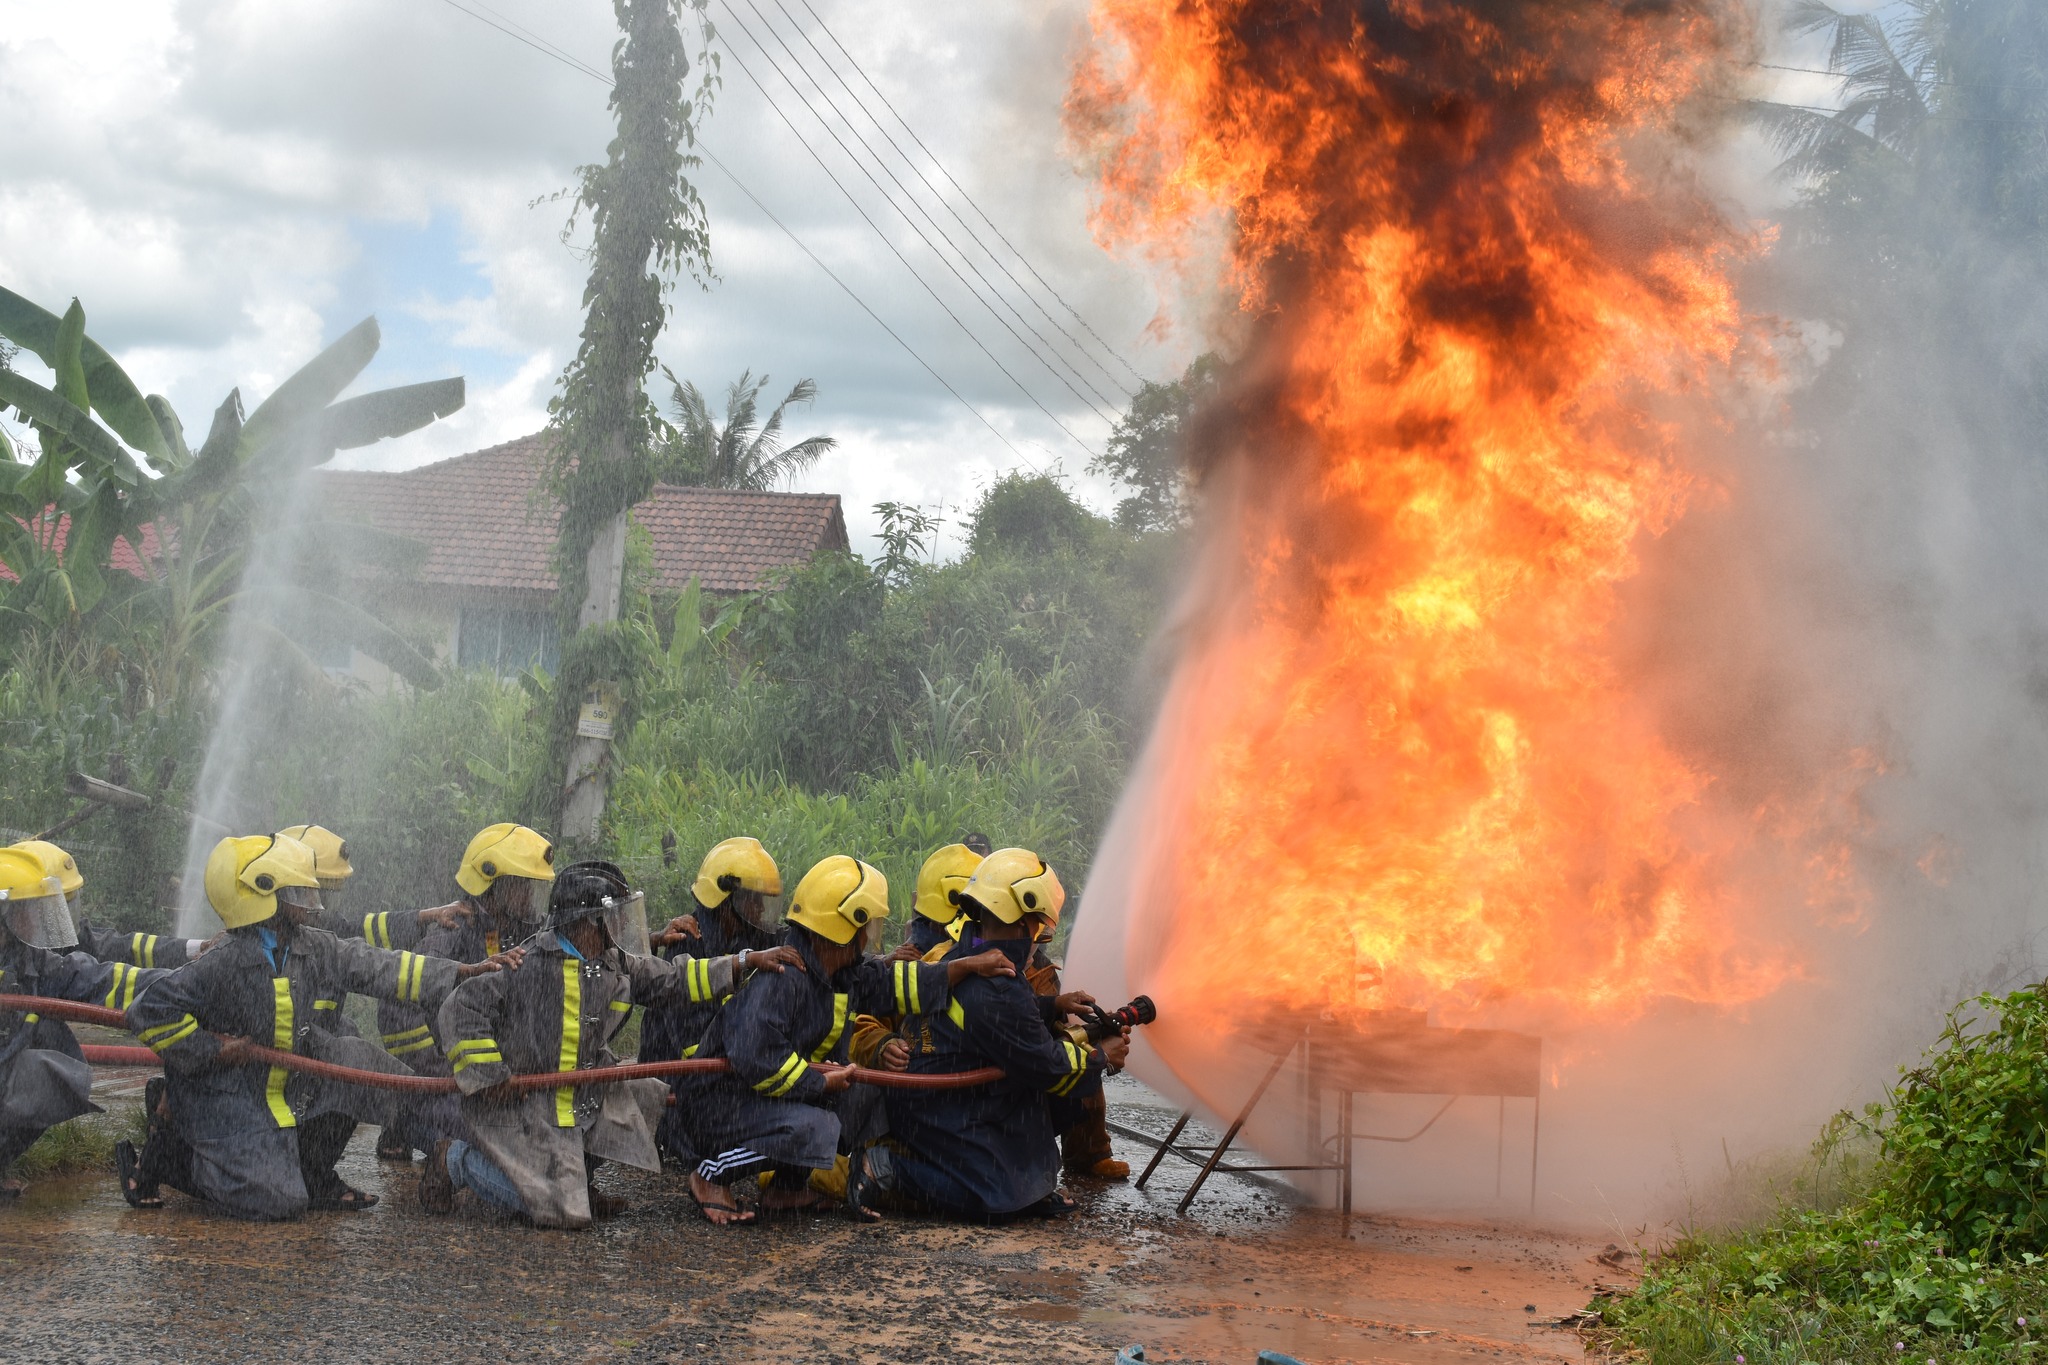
(1400, 765)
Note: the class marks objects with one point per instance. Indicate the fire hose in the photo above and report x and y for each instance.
(437, 1085)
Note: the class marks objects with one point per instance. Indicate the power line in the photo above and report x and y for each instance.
(887, 198)
(944, 202)
(979, 212)
(893, 249)
(541, 45)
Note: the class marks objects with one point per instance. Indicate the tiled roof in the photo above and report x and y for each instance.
(477, 515)
(124, 559)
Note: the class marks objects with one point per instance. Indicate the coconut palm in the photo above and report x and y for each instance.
(744, 453)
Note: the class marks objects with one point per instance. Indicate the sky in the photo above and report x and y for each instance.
(227, 185)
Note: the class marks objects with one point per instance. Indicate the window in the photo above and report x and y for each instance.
(505, 642)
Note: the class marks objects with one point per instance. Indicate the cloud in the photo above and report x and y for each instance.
(228, 184)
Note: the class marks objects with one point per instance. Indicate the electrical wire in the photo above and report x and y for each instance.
(1022, 259)
(521, 34)
(894, 250)
(910, 195)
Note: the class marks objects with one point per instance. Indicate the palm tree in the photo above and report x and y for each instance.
(746, 452)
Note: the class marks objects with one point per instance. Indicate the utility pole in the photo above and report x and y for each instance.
(647, 222)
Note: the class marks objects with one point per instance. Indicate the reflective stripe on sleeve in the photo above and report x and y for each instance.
(824, 1049)
(957, 1014)
(776, 1086)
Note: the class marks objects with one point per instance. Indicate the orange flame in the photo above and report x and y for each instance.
(1400, 764)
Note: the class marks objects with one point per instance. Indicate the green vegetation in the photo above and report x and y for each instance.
(1920, 1230)
(83, 1144)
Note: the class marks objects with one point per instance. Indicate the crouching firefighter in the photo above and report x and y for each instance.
(505, 876)
(261, 1141)
(108, 945)
(44, 1079)
(990, 1151)
(534, 1151)
(774, 1109)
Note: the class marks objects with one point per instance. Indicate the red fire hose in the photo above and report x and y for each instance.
(437, 1085)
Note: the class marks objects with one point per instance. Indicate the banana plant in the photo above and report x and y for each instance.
(116, 463)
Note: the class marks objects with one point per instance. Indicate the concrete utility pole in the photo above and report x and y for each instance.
(587, 778)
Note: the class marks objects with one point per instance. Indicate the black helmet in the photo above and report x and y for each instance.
(586, 891)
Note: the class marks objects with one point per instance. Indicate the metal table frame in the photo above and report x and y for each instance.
(1211, 1159)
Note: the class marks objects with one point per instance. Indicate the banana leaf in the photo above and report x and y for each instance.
(114, 395)
(316, 384)
(69, 364)
(363, 420)
(350, 622)
(50, 410)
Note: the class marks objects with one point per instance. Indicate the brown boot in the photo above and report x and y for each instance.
(437, 1188)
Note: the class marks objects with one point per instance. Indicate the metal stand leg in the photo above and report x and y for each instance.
(1216, 1157)
(1164, 1147)
(1535, 1146)
(1344, 1129)
(1500, 1146)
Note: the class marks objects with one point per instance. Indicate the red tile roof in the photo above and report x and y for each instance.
(478, 516)
(124, 558)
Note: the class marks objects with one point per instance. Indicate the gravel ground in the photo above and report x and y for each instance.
(88, 1279)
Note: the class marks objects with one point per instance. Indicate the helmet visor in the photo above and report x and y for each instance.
(41, 921)
(299, 897)
(521, 902)
(763, 912)
(626, 922)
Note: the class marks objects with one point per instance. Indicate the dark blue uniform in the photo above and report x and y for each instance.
(771, 1109)
(44, 1079)
(988, 1150)
(669, 1032)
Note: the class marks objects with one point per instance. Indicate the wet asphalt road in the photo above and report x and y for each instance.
(87, 1279)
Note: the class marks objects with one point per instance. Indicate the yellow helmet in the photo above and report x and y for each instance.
(505, 850)
(942, 877)
(245, 877)
(1014, 882)
(330, 853)
(838, 897)
(735, 865)
(56, 862)
(32, 901)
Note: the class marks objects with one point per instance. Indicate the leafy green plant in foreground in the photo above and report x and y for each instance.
(1939, 1257)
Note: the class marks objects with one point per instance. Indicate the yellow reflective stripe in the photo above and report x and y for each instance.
(326, 1004)
(957, 1015)
(280, 1038)
(408, 990)
(622, 1005)
(35, 1019)
(473, 1045)
(150, 1035)
(114, 990)
(782, 1080)
(476, 1059)
(697, 972)
(143, 949)
(572, 1039)
(134, 980)
(1077, 1067)
(824, 1049)
(902, 1000)
(416, 1046)
(691, 1050)
(370, 930)
(916, 1003)
(794, 1077)
(408, 1035)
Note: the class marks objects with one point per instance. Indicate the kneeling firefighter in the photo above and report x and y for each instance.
(44, 1078)
(535, 1151)
(261, 1141)
(108, 945)
(736, 904)
(504, 876)
(935, 924)
(774, 1109)
(991, 1150)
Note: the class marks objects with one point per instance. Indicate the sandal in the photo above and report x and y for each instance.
(138, 1195)
(740, 1217)
(343, 1198)
(861, 1183)
(437, 1187)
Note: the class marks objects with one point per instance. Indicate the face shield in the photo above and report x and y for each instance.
(519, 903)
(75, 903)
(41, 921)
(333, 896)
(763, 912)
(306, 898)
(626, 922)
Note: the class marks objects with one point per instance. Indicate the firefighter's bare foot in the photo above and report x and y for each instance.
(604, 1205)
(716, 1205)
(787, 1201)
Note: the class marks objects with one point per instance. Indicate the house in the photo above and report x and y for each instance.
(485, 592)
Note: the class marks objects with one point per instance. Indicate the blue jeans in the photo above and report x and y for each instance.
(467, 1166)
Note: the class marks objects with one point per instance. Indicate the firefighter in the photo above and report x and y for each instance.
(505, 876)
(1084, 1144)
(380, 928)
(44, 1079)
(737, 906)
(990, 1151)
(782, 1036)
(108, 945)
(935, 921)
(260, 1141)
(534, 1151)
